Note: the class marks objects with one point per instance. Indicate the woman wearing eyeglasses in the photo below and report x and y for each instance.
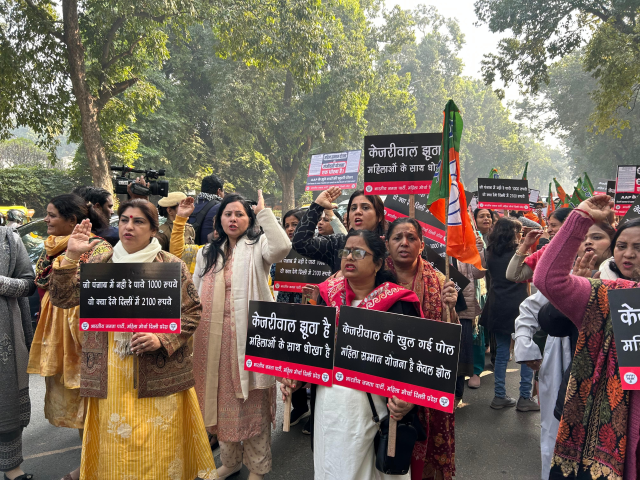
(342, 427)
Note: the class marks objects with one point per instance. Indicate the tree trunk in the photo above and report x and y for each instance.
(287, 179)
(91, 137)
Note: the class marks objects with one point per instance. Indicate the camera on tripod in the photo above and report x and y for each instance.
(156, 187)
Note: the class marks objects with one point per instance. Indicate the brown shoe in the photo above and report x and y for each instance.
(474, 382)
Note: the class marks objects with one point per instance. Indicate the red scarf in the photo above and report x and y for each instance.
(337, 292)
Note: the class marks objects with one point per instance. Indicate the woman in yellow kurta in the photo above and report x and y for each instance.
(143, 418)
(55, 353)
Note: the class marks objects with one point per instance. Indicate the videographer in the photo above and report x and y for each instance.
(207, 205)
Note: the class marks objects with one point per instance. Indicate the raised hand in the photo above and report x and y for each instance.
(326, 198)
(186, 207)
(260, 206)
(598, 206)
(585, 265)
(79, 241)
(532, 237)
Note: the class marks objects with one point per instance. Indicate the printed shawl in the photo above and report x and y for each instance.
(337, 292)
(592, 436)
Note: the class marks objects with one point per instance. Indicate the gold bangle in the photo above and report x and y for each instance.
(70, 260)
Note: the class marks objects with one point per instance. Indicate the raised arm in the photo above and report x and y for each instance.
(517, 270)
(21, 283)
(569, 293)
(275, 242)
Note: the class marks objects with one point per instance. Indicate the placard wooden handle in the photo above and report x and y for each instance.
(391, 447)
(287, 411)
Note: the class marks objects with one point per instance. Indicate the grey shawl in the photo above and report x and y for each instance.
(16, 283)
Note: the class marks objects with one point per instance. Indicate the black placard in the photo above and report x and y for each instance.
(387, 354)
(624, 305)
(633, 212)
(503, 194)
(436, 258)
(403, 164)
(611, 188)
(125, 297)
(296, 271)
(397, 206)
(291, 340)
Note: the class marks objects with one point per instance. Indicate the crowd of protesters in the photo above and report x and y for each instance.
(540, 299)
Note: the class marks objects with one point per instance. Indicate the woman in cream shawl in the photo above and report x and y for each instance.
(230, 271)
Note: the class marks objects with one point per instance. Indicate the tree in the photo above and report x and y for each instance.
(542, 32)
(23, 152)
(564, 107)
(105, 50)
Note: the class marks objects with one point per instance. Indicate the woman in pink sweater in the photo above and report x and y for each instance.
(600, 428)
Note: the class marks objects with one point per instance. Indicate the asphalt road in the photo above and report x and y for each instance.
(490, 444)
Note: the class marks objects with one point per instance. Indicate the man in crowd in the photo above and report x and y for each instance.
(207, 205)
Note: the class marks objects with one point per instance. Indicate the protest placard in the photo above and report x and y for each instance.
(633, 212)
(600, 187)
(296, 271)
(403, 164)
(397, 206)
(503, 194)
(627, 187)
(387, 354)
(291, 341)
(130, 297)
(339, 169)
(624, 305)
(437, 258)
(611, 188)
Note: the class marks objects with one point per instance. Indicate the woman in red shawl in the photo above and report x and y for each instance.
(435, 457)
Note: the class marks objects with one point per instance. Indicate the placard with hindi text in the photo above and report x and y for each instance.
(387, 354)
(291, 340)
(624, 305)
(130, 297)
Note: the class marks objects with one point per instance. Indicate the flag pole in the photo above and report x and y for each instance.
(447, 316)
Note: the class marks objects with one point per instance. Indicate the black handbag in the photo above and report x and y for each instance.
(406, 437)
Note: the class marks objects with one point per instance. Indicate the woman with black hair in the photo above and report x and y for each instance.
(56, 352)
(364, 212)
(500, 312)
(342, 426)
(230, 271)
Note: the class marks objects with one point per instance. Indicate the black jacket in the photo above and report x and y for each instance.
(504, 299)
(322, 248)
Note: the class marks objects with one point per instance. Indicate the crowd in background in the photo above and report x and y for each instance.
(151, 406)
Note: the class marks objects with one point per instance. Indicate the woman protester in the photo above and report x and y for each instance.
(56, 352)
(330, 222)
(135, 429)
(364, 212)
(599, 431)
(436, 455)
(501, 310)
(343, 429)
(233, 269)
(16, 283)
(536, 313)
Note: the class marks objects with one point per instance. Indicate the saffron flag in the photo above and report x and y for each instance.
(564, 200)
(447, 200)
(524, 174)
(494, 173)
(551, 207)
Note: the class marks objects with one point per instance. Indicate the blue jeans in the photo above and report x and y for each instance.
(503, 342)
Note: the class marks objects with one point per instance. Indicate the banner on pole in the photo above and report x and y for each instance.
(402, 164)
(296, 271)
(339, 169)
(291, 340)
(627, 187)
(130, 297)
(503, 194)
(388, 354)
(397, 206)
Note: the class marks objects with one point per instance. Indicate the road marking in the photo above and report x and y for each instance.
(52, 452)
